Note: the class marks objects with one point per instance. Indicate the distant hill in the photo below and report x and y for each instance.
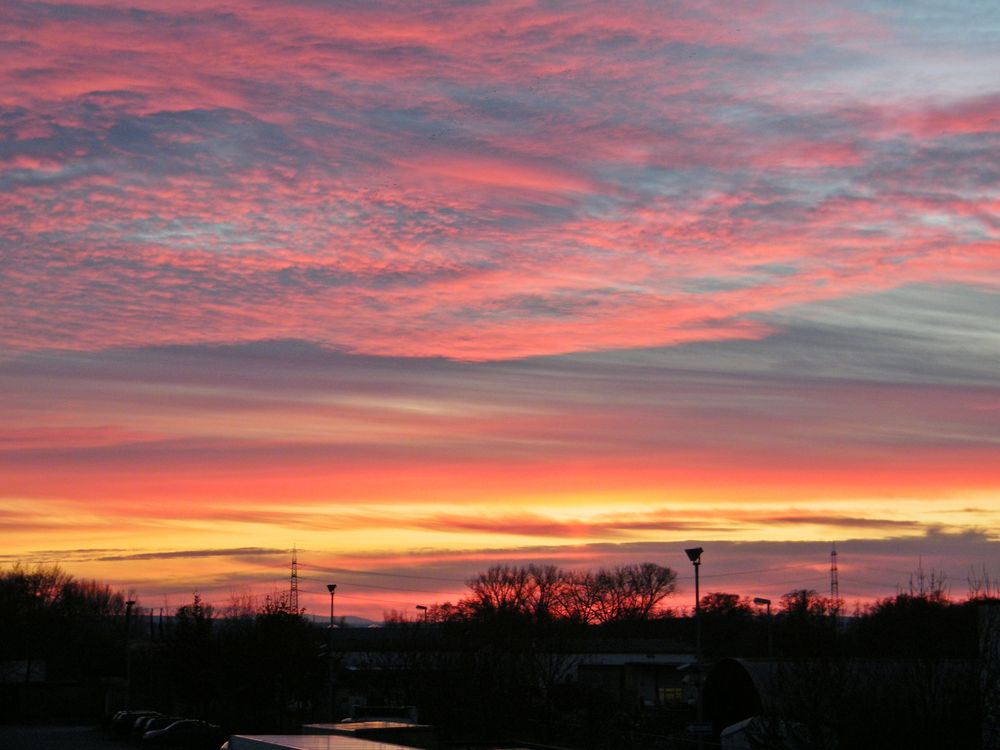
(349, 620)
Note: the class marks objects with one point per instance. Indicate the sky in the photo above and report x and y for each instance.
(419, 288)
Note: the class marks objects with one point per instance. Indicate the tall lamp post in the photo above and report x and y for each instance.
(423, 608)
(694, 555)
(770, 638)
(331, 587)
(128, 653)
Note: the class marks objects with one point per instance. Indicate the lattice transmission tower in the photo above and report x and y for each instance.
(834, 579)
(293, 585)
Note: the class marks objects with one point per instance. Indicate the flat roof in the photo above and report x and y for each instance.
(362, 725)
(305, 742)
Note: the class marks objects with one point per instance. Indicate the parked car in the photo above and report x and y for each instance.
(160, 722)
(148, 723)
(140, 724)
(189, 734)
(123, 721)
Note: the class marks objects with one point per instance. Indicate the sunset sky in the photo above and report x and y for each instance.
(422, 287)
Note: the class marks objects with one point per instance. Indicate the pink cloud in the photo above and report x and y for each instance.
(501, 182)
(970, 116)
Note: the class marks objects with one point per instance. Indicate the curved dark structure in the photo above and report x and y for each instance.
(734, 690)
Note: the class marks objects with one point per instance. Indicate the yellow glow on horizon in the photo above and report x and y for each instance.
(542, 520)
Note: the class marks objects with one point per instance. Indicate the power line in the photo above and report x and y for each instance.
(464, 581)
(379, 601)
(385, 588)
(730, 574)
(883, 584)
(383, 574)
(804, 580)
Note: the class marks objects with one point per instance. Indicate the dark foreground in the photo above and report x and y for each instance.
(55, 738)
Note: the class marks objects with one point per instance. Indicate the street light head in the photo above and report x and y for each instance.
(331, 587)
(761, 600)
(422, 606)
(694, 554)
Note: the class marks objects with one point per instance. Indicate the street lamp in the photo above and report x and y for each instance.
(423, 608)
(331, 587)
(128, 653)
(770, 638)
(694, 555)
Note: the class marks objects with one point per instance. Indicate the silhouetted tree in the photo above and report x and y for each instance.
(259, 667)
(728, 624)
(74, 627)
(722, 604)
(503, 590)
(633, 592)
(192, 664)
(540, 593)
(804, 625)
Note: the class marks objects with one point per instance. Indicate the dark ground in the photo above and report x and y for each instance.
(56, 738)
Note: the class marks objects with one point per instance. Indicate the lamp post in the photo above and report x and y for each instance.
(423, 608)
(770, 638)
(331, 587)
(694, 555)
(128, 653)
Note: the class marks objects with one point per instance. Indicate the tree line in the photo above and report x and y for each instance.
(496, 660)
(546, 593)
(67, 644)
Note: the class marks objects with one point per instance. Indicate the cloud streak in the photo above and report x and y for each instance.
(869, 569)
(187, 554)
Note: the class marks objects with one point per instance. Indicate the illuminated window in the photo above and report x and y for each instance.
(669, 695)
